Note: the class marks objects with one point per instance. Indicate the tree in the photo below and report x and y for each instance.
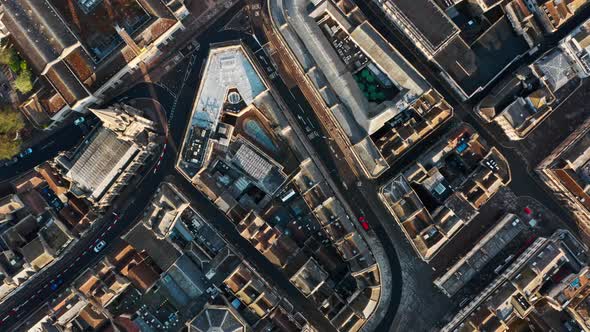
(23, 82)
(8, 147)
(8, 55)
(11, 122)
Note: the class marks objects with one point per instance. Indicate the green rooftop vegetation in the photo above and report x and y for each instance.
(371, 86)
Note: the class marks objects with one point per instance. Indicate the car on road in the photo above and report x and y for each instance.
(364, 223)
(9, 162)
(26, 152)
(99, 246)
(56, 283)
(79, 121)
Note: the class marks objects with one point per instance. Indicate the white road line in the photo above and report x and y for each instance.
(71, 265)
(102, 234)
(5, 318)
(39, 291)
(77, 259)
(109, 228)
(27, 301)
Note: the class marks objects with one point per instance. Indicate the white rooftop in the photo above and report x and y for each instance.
(227, 68)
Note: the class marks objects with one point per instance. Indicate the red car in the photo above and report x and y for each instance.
(364, 223)
(528, 211)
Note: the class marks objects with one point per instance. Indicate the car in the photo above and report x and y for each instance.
(26, 152)
(99, 246)
(79, 121)
(56, 283)
(528, 211)
(9, 162)
(364, 223)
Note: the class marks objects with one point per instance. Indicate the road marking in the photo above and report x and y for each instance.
(59, 275)
(90, 247)
(5, 318)
(77, 258)
(66, 269)
(84, 253)
(45, 286)
(101, 235)
(71, 265)
(27, 301)
(109, 228)
(39, 291)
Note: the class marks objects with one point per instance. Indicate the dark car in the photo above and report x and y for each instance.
(56, 283)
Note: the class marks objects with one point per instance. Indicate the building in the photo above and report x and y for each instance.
(33, 232)
(453, 35)
(553, 14)
(523, 21)
(104, 163)
(217, 318)
(566, 171)
(577, 45)
(443, 191)
(485, 250)
(519, 103)
(82, 63)
(548, 271)
(365, 86)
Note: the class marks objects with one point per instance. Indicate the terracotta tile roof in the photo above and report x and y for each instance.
(143, 275)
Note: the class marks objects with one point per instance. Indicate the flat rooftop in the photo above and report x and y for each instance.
(226, 68)
(474, 66)
(426, 20)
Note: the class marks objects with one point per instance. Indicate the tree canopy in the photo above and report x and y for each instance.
(23, 81)
(11, 122)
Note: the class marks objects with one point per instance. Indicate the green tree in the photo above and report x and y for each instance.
(11, 122)
(8, 147)
(23, 81)
(8, 55)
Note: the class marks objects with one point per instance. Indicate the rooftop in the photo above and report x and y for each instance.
(227, 67)
(426, 20)
(94, 170)
(555, 68)
(217, 318)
